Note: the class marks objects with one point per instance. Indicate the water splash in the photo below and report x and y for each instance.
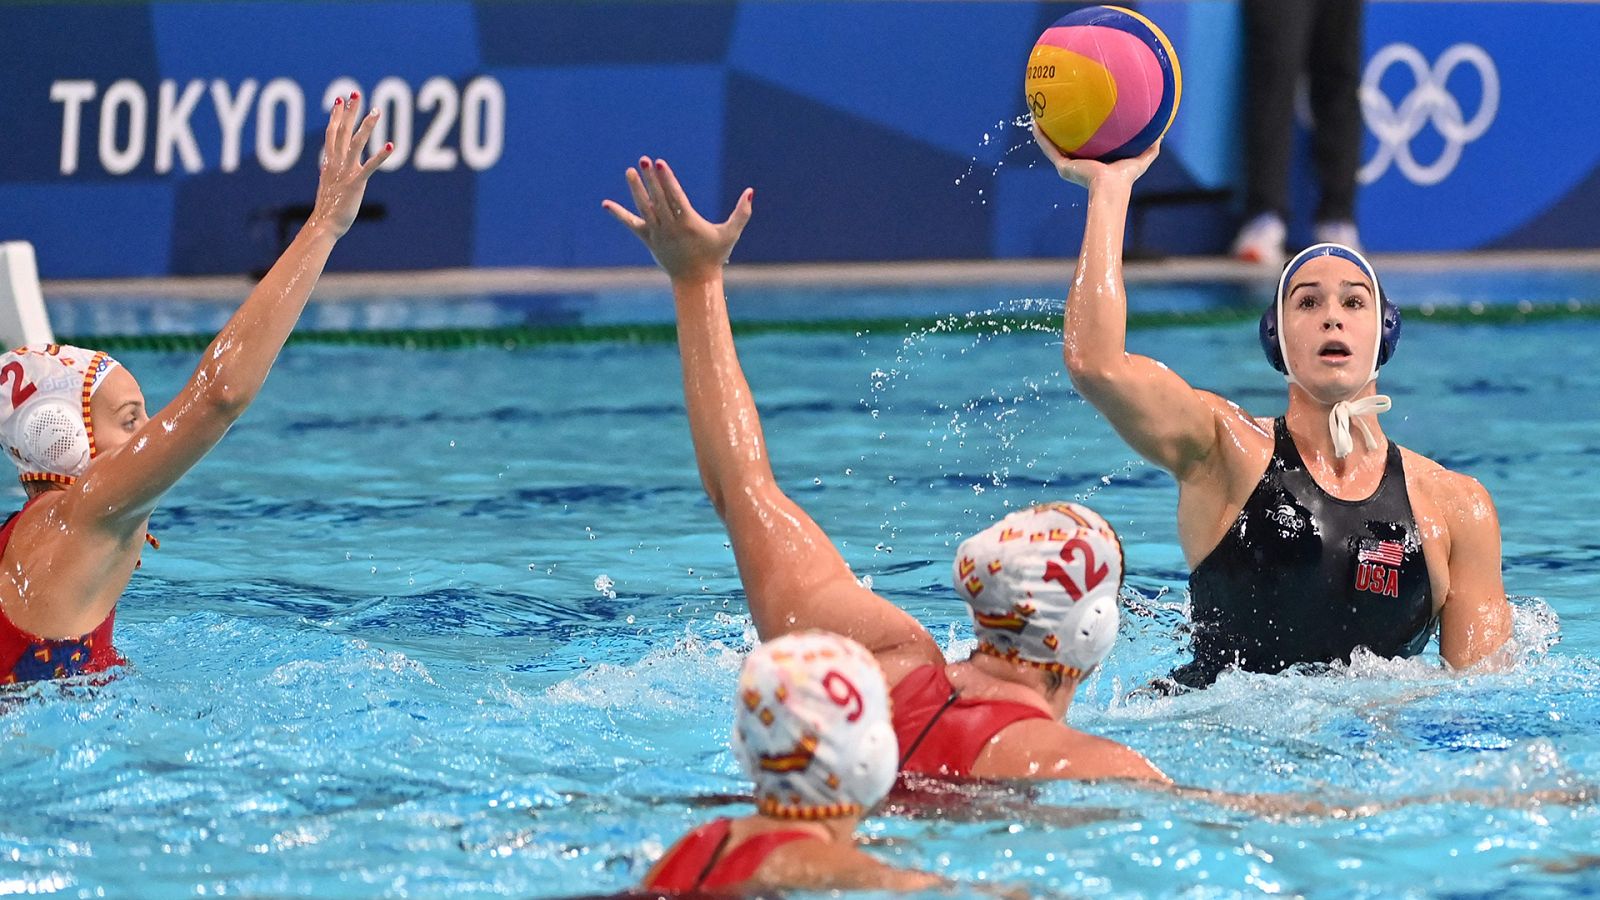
(1002, 438)
(996, 148)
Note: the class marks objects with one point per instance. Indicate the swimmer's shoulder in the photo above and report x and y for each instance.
(1452, 491)
(35, 510)
(1456, 498)
(816, 863)
(1049, 749)
(1418, 466)
(33, 520)
(64, 522)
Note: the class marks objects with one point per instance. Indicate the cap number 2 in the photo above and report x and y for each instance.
(1092, 574)
(21, 390)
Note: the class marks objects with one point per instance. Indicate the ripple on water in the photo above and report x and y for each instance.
(416, 686)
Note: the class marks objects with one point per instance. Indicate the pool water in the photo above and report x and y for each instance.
(462, 623)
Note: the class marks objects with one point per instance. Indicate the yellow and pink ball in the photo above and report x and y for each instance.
(1103, 83)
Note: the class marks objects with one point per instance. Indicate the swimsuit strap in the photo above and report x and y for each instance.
(1283, 446)
(714, 858)
(933, 720)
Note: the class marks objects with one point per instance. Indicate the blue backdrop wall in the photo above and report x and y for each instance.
(177, 138)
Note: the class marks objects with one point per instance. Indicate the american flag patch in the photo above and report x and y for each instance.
(1388, 553)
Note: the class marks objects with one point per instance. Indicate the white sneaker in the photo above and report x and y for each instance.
(1260, 241)
(1341, 232)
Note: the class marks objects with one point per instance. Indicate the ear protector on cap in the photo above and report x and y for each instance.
(1389, 333)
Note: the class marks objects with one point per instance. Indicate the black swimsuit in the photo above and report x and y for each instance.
(1303, 576)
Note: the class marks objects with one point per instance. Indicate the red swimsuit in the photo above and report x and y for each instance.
(698, 861)
(941, 733)
(28, 657)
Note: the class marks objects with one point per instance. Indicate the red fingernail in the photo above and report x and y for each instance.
(388, 145)
(338, 101)
(355, 95)
(661, 164)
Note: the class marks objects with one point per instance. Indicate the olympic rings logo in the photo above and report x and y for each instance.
(1429, 103)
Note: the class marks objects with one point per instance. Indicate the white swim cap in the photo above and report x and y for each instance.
(1043, 585)
(45, 391)
(811, 727)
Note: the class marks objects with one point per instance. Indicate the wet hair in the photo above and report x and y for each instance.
(1053, 682)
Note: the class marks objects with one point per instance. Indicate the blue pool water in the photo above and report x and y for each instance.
(462, 623)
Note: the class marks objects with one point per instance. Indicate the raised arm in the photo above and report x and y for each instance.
(125, 485)
(1475, 620)
(793, 575)
(1160, 416)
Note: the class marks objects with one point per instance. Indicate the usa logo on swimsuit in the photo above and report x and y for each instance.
(1378, 567)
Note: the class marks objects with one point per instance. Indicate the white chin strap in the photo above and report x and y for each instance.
(1344, 411)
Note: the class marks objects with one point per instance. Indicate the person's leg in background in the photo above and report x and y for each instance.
(1277, 35)
(1334, 72)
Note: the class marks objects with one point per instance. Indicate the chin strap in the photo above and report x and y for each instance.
(1345, 410)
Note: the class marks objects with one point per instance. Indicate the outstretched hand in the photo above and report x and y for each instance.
(1085, 171)
(680, 239)
(344, 176)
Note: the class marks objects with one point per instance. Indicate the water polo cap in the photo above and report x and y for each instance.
(1272, 343)
(1043, 585)
(1275, 346)
(45, 427)
(811, 727)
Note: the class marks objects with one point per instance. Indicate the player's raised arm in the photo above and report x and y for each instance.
(1164, 419)
(793, 575)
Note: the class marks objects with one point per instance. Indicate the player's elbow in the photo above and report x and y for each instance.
(735, 499)
(1091, 374)
(1499, 657)
(719, 499)
(1485, 643)
(1090, 360)
(226, 400)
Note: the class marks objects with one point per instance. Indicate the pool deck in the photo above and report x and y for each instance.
(445, 283)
